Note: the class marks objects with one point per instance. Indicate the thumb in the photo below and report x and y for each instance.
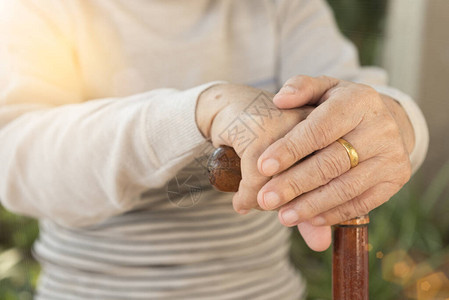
(303, 90)
(317, 238)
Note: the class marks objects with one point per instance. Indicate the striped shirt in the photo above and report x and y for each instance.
(99, 139)
(198, 248)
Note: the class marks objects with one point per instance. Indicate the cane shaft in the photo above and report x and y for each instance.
(350, 260)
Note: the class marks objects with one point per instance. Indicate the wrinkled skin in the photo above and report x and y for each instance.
(296, 166)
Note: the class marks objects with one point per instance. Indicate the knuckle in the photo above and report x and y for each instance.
(372, 99)
(344, 190)
(393, 187)
(371, 92)
(292, 148)
(310, 209)
(343, 214)
(305, 83)
(390, 128)
(327, 166)
(294, 186)
(339, 90)
(331, 82)
(361, 207)
(253, 180)
(316, 134)
(398, 153)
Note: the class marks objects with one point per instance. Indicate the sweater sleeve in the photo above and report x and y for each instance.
(72, 161)
(311, 44)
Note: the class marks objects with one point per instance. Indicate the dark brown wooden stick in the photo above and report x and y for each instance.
(350, 244)
(350, 260)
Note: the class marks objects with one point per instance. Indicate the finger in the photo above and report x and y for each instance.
(311, 173)
(322, 127)
(318, 169)
(252, 181)
(302, 90)
(338, 191)
(338, 115)
(317, 238)
(359, 206)
(245, 199)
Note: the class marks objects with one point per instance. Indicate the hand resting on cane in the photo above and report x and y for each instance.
(245, 119)
(319, 190)
(230, 115)
(313, 191)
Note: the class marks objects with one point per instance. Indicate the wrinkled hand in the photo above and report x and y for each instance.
(246, 119)
(312, 183)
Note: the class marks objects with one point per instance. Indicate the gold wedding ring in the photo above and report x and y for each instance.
(353, 156)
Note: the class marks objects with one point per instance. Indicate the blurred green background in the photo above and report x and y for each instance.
(408, 256)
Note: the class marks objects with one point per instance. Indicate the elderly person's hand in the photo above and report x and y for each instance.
(246, 119)
(313, 184)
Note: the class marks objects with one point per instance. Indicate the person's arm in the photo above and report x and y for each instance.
(73, 161)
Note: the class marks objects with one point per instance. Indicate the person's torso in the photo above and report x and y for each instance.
(184, 241)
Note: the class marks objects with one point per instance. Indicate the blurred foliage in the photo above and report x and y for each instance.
(408, 259)
(18, 270)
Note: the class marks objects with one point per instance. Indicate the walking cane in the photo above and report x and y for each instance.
(350, 238)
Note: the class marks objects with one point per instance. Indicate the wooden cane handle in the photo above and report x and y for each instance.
(350, 241)
(224, 169)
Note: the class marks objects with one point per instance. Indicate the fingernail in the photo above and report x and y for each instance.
(271, 199)
(290, 216)
(287, 90)
(318, 221)
(270, 166)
